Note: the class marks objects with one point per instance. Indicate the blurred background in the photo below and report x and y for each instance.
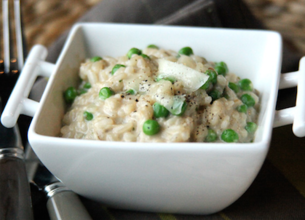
(284, 16)
(45, 21)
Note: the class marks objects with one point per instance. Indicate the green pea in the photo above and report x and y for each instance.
(169, 78)
(221, 68)
(213, 75)
(153, 46)
(215, 94)
(229, 136)
(183, 109)
(88, 116)
(206, 85)
(234, 87)
(248, 100)
(105, 93)
(70, 94)
(212, 79)
(82, 91)
(212, 136)
(251, 127)
(242, 108)
(145, 56)
(186, 51)
(87, 85)
(85, 88)
(131, 92)
(151, 127)
(160, 111)
(96, 58)
(245, 84)
(133, 51)
(116, 67)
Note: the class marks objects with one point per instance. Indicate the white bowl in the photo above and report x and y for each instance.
(197, 178)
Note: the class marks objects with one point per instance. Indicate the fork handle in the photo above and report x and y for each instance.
(15, 196)
(64, 204)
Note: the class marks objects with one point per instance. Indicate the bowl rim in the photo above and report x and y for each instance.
(266, 137)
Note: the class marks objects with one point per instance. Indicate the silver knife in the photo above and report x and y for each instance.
(15, 196)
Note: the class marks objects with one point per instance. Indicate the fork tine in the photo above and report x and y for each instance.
(19, 34)
(6, 36)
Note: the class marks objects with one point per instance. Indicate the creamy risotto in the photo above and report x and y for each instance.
(160, 95)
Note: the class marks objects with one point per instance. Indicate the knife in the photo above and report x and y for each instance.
(15, 196)
(61, 202)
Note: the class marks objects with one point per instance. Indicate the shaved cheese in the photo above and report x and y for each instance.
(190, 78)
(172, 103)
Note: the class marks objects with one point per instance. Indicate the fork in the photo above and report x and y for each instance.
(15, 200)
(62, 203)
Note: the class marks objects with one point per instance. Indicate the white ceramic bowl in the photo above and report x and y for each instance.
(197, 178)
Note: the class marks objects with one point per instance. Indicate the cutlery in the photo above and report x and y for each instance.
(62, 203)
(15, 194)
(15, 200)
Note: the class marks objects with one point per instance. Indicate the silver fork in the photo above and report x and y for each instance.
(9, 59)
(62, 203)
(11, 63)
(15, 202)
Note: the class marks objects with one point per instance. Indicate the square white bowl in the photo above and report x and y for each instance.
(197, 178)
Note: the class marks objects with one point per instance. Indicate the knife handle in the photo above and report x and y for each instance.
(64, 204)
(15, 195)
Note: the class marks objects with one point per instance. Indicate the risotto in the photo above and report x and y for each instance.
(160, 95)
